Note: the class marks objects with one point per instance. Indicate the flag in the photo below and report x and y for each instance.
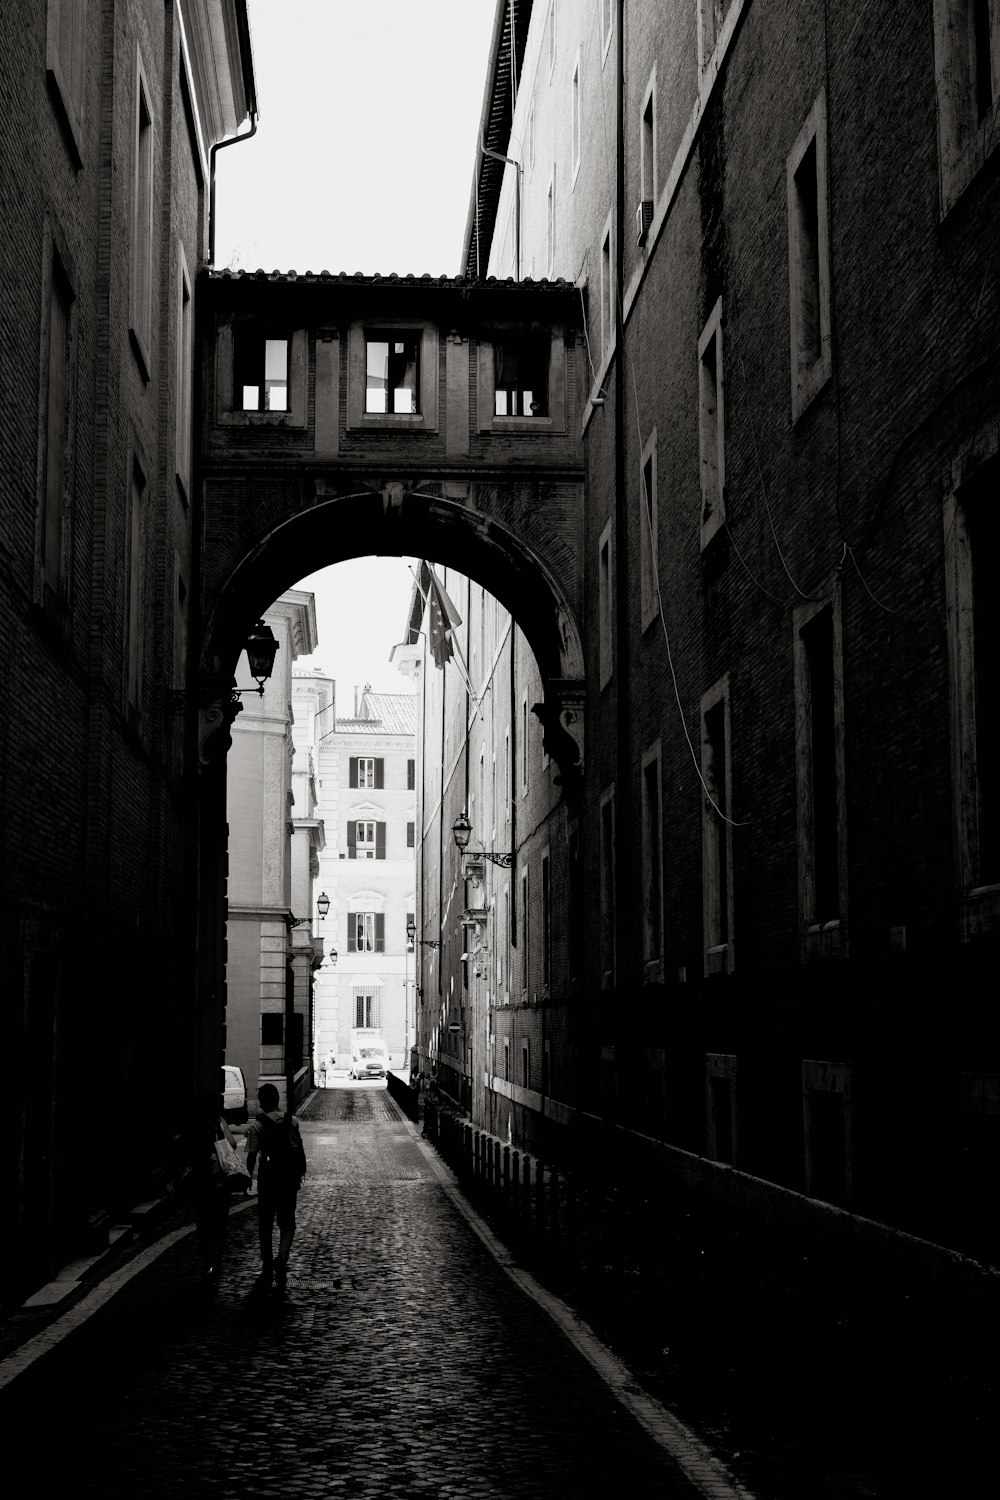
(444, 618)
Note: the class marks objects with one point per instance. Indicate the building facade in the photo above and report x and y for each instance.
(111, 113)
(783, 832)
(275, 841)
(366, 798)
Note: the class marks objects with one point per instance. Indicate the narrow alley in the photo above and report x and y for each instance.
(385, 1369)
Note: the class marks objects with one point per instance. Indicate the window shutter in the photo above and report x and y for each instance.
(411, 778)
(410, 832)
(352, 829)
(354, 770)
(380, 841)
(352, 932)
(379, 773)
(379, 932)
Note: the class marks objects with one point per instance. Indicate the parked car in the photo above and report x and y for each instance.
(369, 1057)
(234, 1096)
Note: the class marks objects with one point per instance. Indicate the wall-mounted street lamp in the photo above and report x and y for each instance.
(462, 831)
(261, 648)
(322, 907)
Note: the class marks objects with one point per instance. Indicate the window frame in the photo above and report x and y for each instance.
(649, 543)
(141, 246)
(411, 341)
(965, 139)
(711, 426)
(66, 67)
(826, 938)
(810, 371)
(605, 605)
(427, 337)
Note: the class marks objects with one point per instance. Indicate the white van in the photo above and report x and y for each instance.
(369, 1056)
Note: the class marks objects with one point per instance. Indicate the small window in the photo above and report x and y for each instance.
(711, 426)
(365, 839)
(392, 364)
(521, 374)
(367, 1006)
(648, 536)
(808, 261)
(261, 374)
(967, 67)
(605, 634)
(365, 932)
(141, 266)
(367, 771)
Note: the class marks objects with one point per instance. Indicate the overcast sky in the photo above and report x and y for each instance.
(363, 161)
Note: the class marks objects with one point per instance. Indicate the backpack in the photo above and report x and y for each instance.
(284, 1157)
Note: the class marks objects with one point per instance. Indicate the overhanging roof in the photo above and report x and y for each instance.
(495, 124)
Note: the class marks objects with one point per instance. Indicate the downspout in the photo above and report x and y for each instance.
(219, 146)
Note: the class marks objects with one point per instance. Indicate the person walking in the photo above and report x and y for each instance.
(275, 1137)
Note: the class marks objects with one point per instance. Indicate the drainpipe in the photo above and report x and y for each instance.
(623, 776)
(219, 145)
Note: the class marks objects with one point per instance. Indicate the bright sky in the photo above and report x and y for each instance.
(363, 161)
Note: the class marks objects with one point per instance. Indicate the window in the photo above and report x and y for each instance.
(972, 537)
(365, 839)
(716, 832)
(809, 261)
(133, 620)
(647, 146)
(411, 829)
(550, 39)
(546, 923)
(605, 636)
(365, 932)
(521, 376)
(820, 780)
(185, 362)
(260, 381)
(525, 1064)
(711, 15)
(652, 858)
(648, 540)
(392, 364)
(525, 974)
(720, 1085)
(506, 776)
(550, 224)
(506, 1059)
(56, 427)
(608, 886)
(523, 755)
(411, 775)
(141, 265)
(608, 296)
(967, 68)
(575, 106)
(367, 771)
(368, 1005)
(65, 62)
(826, 1112)
(711, 426)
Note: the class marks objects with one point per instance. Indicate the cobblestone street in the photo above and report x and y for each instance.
(400, 1361)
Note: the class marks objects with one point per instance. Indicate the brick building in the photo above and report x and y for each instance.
(762, 934)
(110, 117)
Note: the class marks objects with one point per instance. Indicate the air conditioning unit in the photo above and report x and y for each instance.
(643, 219)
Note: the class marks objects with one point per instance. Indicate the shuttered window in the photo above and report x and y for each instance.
(365, 932)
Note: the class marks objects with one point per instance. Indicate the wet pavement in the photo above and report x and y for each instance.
(401, 1360)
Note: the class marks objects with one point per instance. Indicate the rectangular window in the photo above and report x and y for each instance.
(411, 775)
(546, 923)
(652, 858)
(368, 1006)
(141, 265)
(133, 622)
(392, 364)
(524, 932)
(608, 886)
(819, 780)
(608, 294)
(720, 1083)
(411, 829)
(525, 1064)
(366, 932)
(65, 61)
(575, 106)
(550, 224)
(523, 756)
(647, 144)
(365, 839)
(260, 380)
(55, 430)
(185, 372)
(366, 771)
(972, 542)
(506, 1059)
(967, 69)
(716, 832)
(605, 636)
(711, 426)
(809, 261)
(648, 536)
(521, 376)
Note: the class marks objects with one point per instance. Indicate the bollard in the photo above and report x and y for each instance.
(515, 1183)
(497, 1178)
